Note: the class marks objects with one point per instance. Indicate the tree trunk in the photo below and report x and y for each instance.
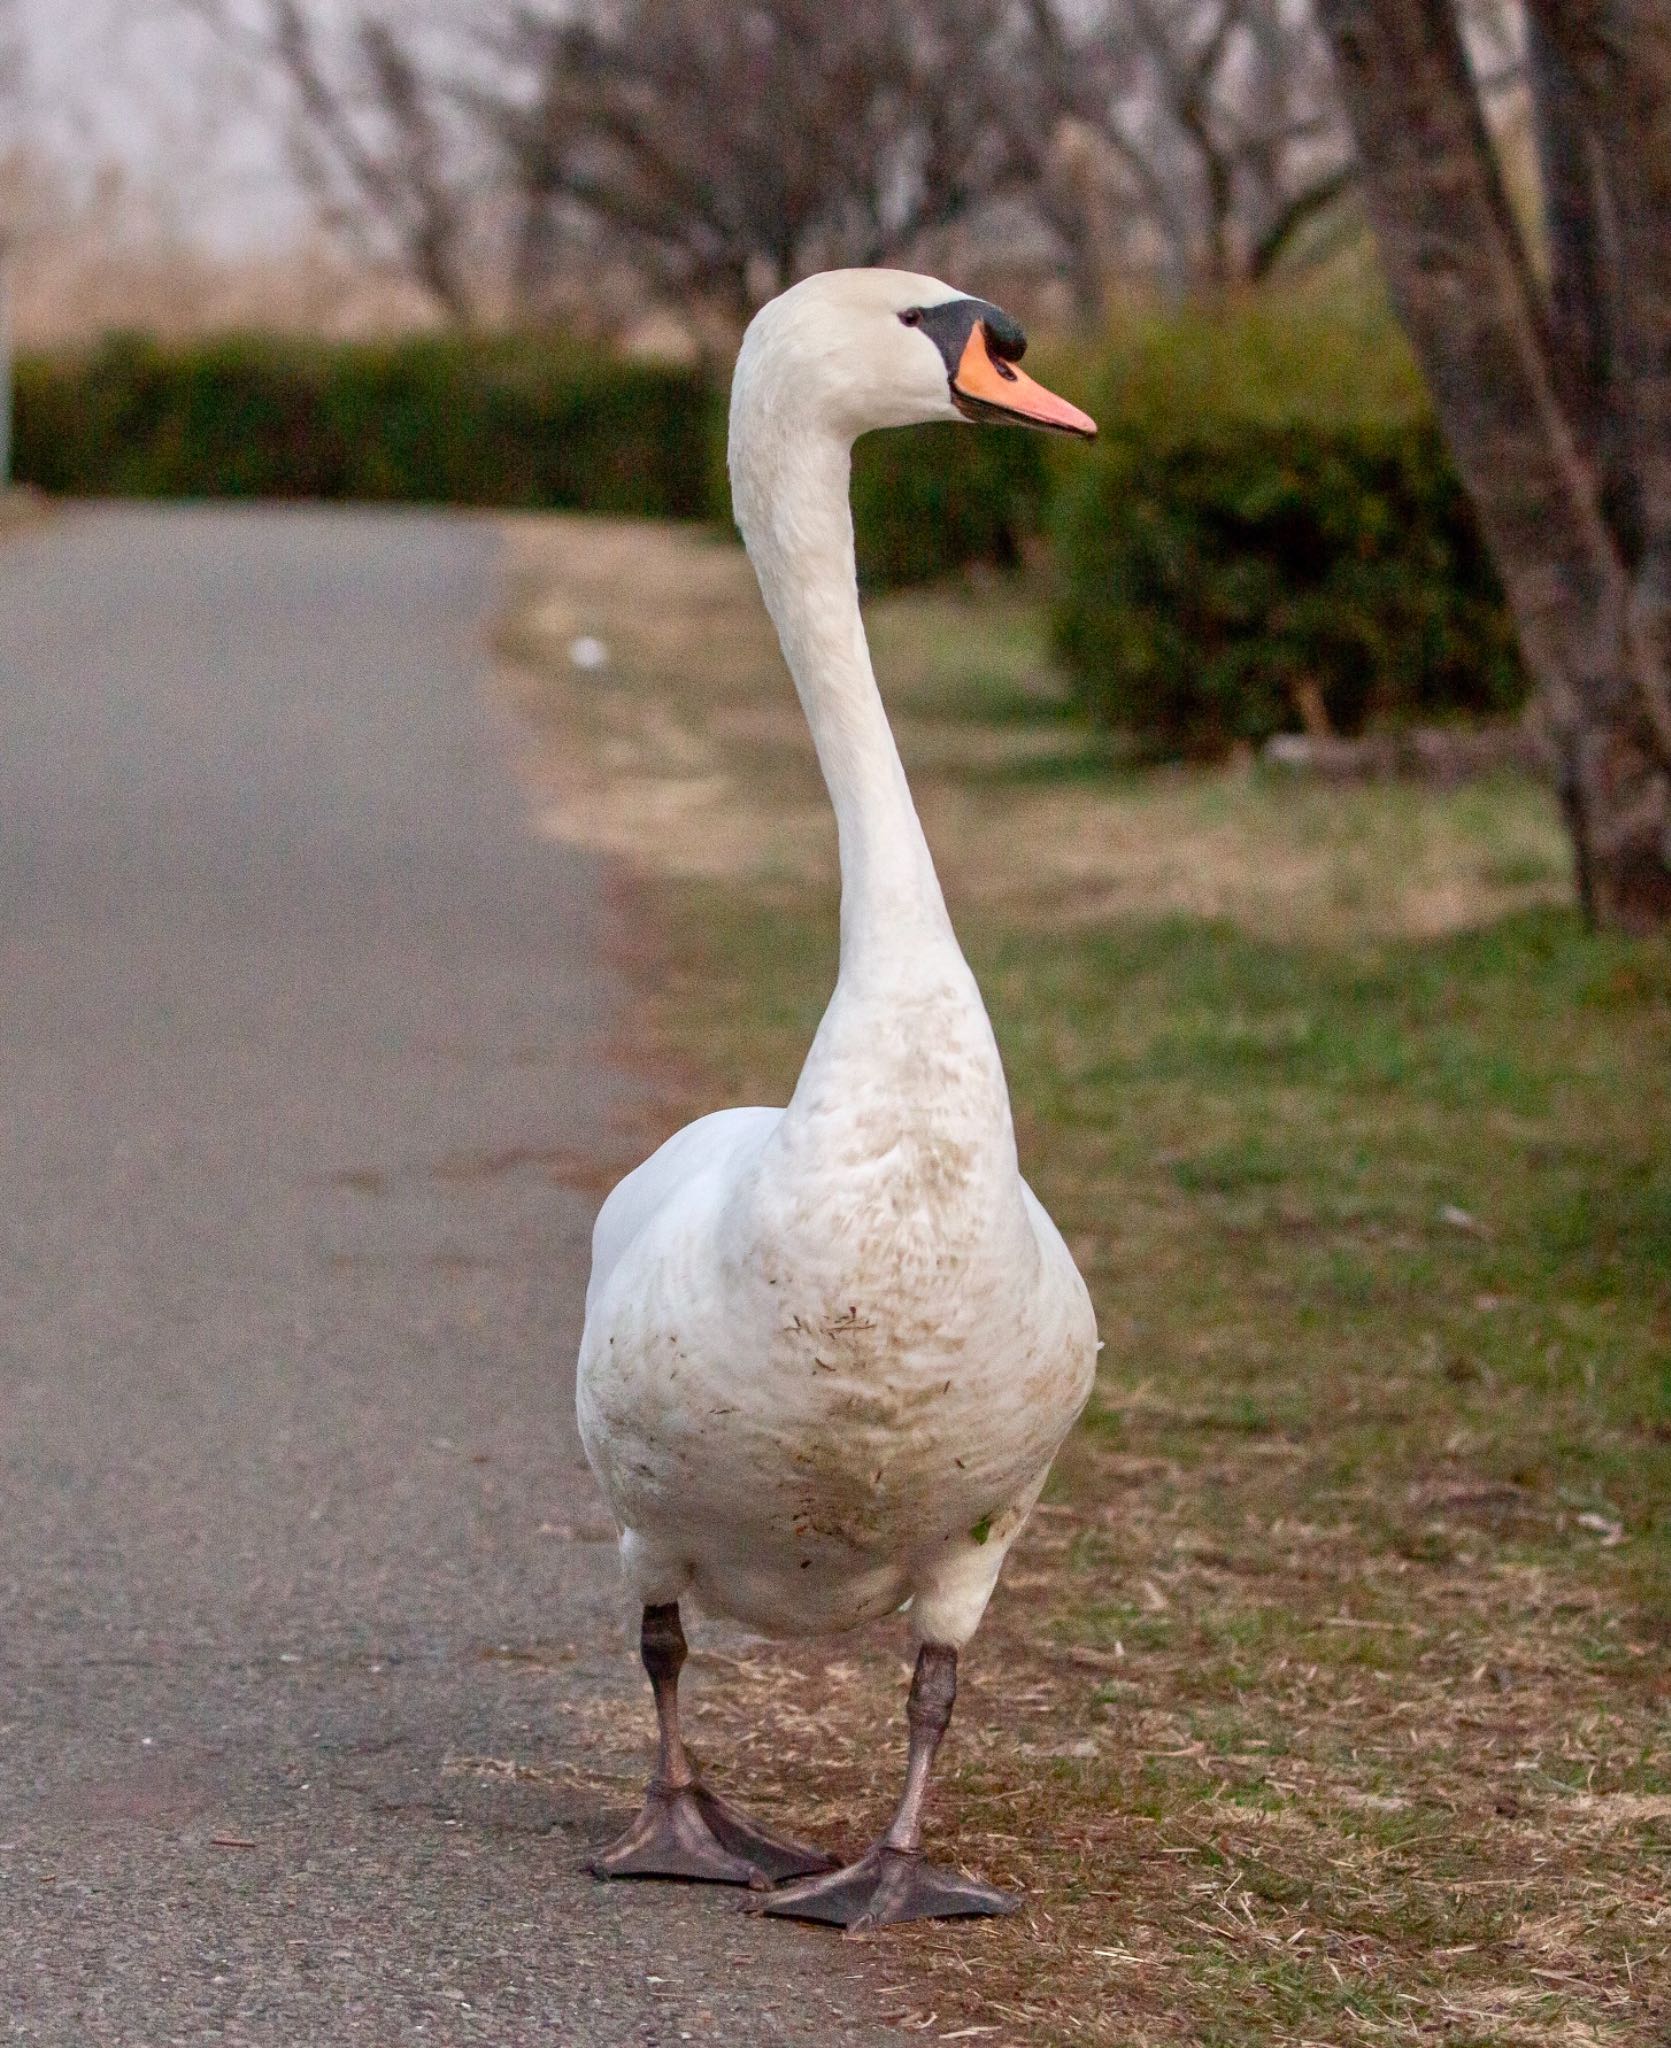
(1583, 278)
(1465, 294)
(1618, 55)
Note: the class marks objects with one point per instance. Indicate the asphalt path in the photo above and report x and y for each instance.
(299, 1563)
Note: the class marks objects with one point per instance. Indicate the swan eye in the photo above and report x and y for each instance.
(912, 317)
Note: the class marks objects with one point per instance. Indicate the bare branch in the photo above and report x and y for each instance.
(1296, 214)
(366, 141)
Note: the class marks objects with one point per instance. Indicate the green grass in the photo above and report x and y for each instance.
(1372, 1198)
(1373, 1501)
(1328, 1697)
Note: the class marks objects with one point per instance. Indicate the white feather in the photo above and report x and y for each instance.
(831, 1350)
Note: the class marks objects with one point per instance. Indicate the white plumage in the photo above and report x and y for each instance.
(830, 1350)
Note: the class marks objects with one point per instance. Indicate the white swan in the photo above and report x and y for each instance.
(831, 1350)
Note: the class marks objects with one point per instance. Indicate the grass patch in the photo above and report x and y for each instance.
(1328, 1697)
(1343, 1657)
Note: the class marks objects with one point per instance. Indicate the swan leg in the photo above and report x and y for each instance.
(891, 1881)
(683, 1829)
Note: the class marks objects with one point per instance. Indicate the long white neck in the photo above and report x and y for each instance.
(790, 489)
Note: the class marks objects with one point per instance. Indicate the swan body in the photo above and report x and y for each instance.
(831, 1350)
(826, 1387)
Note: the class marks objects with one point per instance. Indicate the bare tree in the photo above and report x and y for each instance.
(493, 149)
(1240, 91)
(1558, 408)
(369, 113)
(1606, 99)
(730, 150)
(1217, 120)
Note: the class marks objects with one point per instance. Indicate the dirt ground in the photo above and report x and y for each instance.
(686, 754)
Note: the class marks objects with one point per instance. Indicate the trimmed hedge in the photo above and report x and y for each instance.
(511, 421)
(1268, 526)
(928, 500)
(1221, 581)
(1244, 551)
(504, 422)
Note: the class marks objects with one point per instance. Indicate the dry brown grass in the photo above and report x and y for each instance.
(1373, 1827)
(111, 265)
(1369, 1829)
(687, 756)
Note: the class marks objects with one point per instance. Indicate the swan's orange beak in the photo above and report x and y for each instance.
(985, 387)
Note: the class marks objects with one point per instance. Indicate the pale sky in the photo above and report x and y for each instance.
(138, 83)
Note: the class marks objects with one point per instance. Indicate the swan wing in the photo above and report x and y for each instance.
(1066, 1284)
(711, 1142)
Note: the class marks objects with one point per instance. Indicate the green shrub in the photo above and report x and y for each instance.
(1269, 519)
(1245, 547)
(510, 421)
(504, 422)
(927, 500)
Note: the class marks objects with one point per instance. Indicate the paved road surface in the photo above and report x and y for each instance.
(291, 1010)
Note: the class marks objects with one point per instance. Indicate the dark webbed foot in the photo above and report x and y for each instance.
(885, 1886)
(687, 1831)
(683, 1829)
(891, 1882)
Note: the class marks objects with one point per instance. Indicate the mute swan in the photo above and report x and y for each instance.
(831, 1350)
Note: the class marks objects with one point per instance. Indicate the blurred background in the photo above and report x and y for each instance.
(648, 173)
(501, 255)
(1297, 761)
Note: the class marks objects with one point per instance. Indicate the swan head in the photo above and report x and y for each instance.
(849, 350)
